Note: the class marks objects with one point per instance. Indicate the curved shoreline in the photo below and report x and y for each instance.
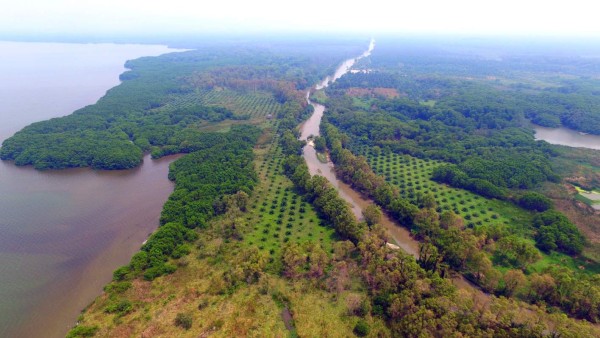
(64, 232)
(566, 137)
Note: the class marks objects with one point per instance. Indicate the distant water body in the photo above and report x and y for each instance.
(567, 137)
(62, 233)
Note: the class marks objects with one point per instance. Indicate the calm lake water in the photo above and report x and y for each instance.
(62, 233)
(567, 137)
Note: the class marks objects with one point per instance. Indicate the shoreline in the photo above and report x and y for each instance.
(67, 229)
(62, 301)
(566, 137)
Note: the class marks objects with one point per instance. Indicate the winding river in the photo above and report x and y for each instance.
(400, 235)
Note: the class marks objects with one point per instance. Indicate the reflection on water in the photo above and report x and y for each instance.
(358, 203)
(344, 68)
(567, 137)
(400, 235)
(62, 233)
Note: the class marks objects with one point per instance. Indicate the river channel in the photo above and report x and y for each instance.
(400, 235)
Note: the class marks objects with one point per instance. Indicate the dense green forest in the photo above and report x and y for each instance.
(506, 155)
(491, 83)
(423, 112)
(144, 112)
(222, 168)
(250, 244)
(490, 254)
(469, 108)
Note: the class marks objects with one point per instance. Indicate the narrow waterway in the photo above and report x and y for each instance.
(400, 235)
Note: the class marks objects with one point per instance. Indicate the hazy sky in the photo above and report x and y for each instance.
(522, 17)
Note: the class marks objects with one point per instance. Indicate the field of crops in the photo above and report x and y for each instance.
(252, 104)
(278, 213)
(413, 176)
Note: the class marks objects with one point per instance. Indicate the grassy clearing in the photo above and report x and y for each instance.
(278, 214)
(322, 157)
(250, 311)
(589, 192)
(193, 290)
(573, 263)
(591, 198)
(535, 82)
(428, 103)
(584, 199)
(361, 103)
(319, 96)
(319, 313)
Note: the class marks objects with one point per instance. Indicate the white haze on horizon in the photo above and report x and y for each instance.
(141, 17)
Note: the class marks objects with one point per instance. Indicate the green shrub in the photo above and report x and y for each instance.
(361, 328)
(117, 287)
(556, 232)
(159, 270)
(184, 320)
(364, 308)
(121, 273)
(181, 250)
(82, 331)
(534, 201)
(120, 308)
(139, 261)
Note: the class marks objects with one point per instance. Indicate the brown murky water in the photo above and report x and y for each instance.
(62, 233)
(358, 203)
(400, 235)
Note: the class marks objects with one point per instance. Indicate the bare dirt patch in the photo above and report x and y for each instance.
(141, 290)
(583, 216)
